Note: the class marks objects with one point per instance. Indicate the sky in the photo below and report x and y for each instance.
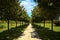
(28, 5)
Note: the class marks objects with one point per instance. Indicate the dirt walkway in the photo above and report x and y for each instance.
(28, 34)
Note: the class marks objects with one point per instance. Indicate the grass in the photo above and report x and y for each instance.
(46, 33)
(4, 25)
(13, 33)
(48, 25)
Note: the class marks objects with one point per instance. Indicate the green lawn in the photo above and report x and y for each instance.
(46, 33)
(12, 24)
(13, 33)
(48, 25)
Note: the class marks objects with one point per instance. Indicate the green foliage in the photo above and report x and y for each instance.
(8, 8)
(36, 14)
(50, 8)
(11, 10)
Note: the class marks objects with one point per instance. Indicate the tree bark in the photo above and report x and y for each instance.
(8, 25)
(52, 24)
(20, 23)
(16, 23)
(44, 23)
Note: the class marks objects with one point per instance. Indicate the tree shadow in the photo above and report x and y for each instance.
(34, 34)
(46, 34)
(12, 33)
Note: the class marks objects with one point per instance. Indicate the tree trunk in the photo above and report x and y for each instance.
(8, 25)
(20, 23)
(52, 24)
(40, 23)
(16, 23)
(44, 23)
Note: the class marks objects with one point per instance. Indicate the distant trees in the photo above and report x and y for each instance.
(36, 14)
(24, 16)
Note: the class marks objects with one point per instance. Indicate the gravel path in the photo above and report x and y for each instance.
(28, 34)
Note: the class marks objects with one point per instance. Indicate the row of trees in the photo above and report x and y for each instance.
(46, 10)
(11, 10)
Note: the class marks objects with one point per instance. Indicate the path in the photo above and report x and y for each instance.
(27, 35)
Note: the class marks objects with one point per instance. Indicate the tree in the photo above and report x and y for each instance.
(36, 14)
(51, 7)
(24, 16)
(9, 9)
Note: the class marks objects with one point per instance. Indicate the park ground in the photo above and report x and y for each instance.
(29, 34)
(34, 31)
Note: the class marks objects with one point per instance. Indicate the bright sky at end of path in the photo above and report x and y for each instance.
(28, 5)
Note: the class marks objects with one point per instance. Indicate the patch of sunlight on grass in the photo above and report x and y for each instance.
(48, 25)
(5, 26)
(57, 28)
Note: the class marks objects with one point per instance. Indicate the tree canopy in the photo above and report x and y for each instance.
(11, 10)
(49, 7)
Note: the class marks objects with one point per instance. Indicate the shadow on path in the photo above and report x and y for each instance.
(29, 34)
(34, 34)
(46, 34)
(12, 33)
